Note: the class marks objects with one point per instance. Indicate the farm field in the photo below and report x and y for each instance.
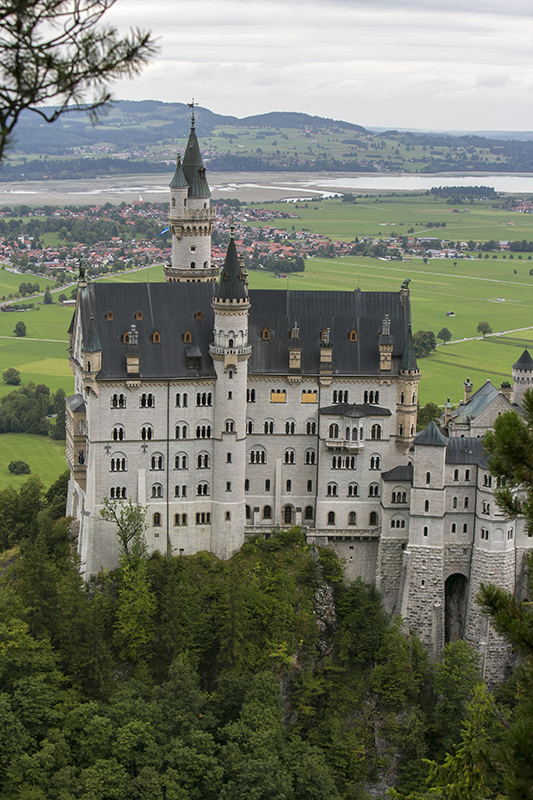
(10, 282)
(382, 216)
(45, 456)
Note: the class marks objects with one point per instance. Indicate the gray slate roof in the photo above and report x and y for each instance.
(232, 283)
(402, 473)
(171, 309)
(466, 450)
(178, 181)
(524, 362)
(75, 402)
(477, 403)
(355, 410)
(431, 436)
(193, 167)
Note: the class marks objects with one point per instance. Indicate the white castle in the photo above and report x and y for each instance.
(229, 413)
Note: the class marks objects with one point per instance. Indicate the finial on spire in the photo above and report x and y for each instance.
(191, 106)
(232, 230)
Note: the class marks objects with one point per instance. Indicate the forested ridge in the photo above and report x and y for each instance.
(263, 676)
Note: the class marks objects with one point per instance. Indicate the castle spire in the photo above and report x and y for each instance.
(193, 166)
(232, 283)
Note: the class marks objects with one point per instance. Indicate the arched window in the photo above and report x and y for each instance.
(187, 337)
(248, 512)
(373, 490)
(157, 462)
(332, 490)
(288, 515)
(333, 431)
(181, 431)
(375, 462)
(402, 398)
(428, 477)
(265, 334)
(373, 519)
(352, 336)
(147, 400)
(180, 491)
(249, 426)
(157, 490)
(156, 337)
(147, 432)
(289, 457)
(118, 401)
(246, 485)
(258, 455)
(331, 518)
(250, 395)
(353, 490)
(118, 433)
(454, 502)
(290, 427)
(465, 527)
(204, 398)
(182, 400)
(308, 514)
(466, 502)
(310, 457)
(288, 486)
(202, 461)
(269, 426)
(309, 486)
(467, 474)
(456, 474)
(202, 489)
(426, 530)
(203, 431)
(117, 493)
(118, 463)
(267, 485)
(156, 520)
(454, 527)
(426, 505)
(229, 426)
(311, 427)
(180, 461)
(180, 519)
(267, 512)
(375, 432)
(352, 518)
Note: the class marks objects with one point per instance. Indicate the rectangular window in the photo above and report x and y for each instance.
(278, 396)
(309, 396)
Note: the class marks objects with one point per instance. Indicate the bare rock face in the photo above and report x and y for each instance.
(326, 617)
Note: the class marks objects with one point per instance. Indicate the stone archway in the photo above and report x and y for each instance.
(455, 607)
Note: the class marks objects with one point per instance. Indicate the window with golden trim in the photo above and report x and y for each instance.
(109, 315)
(352, 335)
(156, 337)
(323, 334)
(139, 315)
(199, 315)
(265, 334)
(126, 337)
(187, 337)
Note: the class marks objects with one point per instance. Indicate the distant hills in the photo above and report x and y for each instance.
(144, 136)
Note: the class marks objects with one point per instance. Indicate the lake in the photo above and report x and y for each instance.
(249, 186)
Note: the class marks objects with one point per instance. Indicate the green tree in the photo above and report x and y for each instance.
(130, 519)
(20, 329)
(424, 342)
(510, 446)
(56, 58)
(484, 328)
(444, 334)
(429, 412)
(47, 298)
(11, 376)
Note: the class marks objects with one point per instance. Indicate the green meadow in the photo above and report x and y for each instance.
(45, 457)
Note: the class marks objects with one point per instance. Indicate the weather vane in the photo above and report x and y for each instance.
(191, 106)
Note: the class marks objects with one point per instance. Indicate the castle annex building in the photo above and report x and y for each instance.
(229, 412)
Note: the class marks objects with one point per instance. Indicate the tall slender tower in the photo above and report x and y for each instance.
(230, 353)
(190, 218)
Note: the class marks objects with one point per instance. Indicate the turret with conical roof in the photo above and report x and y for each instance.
(190, 218)
(522, 376)
(406, 406)
(232, 285)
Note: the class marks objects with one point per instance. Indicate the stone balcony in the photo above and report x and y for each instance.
(344, 444)
(216, 350)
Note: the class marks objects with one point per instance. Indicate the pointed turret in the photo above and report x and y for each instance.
(179, 181)
(522, 376)
(409, 358)
(91, 342)
(91, 350)
(193, 166)
(232, 283)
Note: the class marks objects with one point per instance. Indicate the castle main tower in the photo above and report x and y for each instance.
(190, 218)
(230, 352)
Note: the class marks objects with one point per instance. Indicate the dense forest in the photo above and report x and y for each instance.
(264, 677)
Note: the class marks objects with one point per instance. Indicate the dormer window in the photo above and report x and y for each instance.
(109, 315)
(187, 337)
(156, 337)
(139, 315)
(265, 334)
(199, 315)
(352, 335)
(126, 337)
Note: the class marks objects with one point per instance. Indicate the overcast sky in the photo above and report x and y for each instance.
(455, 65)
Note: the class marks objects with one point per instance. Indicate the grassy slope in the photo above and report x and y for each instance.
(45, 457)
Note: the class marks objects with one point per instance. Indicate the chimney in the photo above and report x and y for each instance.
(468, 390)
(506, 390)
